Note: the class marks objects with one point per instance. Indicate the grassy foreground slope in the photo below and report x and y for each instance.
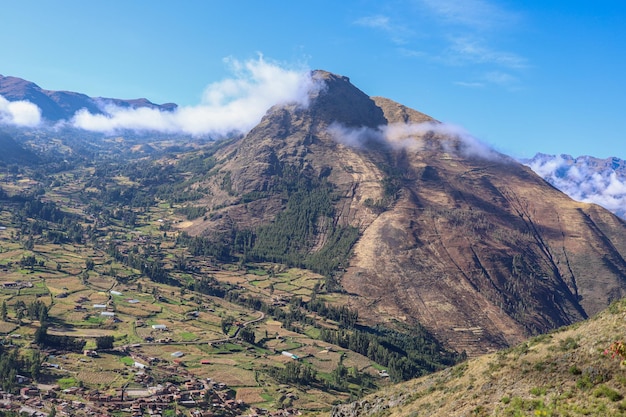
(564, 373)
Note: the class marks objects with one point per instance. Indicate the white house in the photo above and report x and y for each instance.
(290, 355)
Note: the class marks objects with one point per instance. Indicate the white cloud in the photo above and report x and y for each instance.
(19, 113)
(394, 29)
(376, 22)
(466, 34)
(474, 14)
(472, 50)
(583, 179)
(502, 79)
(493, 78)
(451, 138)
(470, 84)
(234, 104)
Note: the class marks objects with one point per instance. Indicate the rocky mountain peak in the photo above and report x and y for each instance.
(337, 100)
(476, 248)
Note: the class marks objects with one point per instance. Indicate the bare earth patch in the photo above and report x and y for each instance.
(250, 395)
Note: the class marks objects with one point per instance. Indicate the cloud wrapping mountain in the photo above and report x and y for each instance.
(19, 113)
(453, 139)
(588, 179)
(232, 105)
(235, 104)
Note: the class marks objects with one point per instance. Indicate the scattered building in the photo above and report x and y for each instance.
(29, 391)
(17, 284)
(90, 353)
(159, 327)
(290, 355)
(20, 379)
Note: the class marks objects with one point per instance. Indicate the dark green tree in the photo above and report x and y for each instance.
(89, 264)
(227, 323)
(104, 342)
(35, 365)
(247, 335)
(41, 334)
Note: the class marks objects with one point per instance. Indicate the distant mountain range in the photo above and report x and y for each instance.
(588, 179)
(62, 105)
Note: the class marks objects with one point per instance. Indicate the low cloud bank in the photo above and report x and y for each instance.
(586, 179)
(19, 113)
(416, 136)
(235, 104)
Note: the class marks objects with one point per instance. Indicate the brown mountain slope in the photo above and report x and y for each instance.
(564, 373)
(463, 240)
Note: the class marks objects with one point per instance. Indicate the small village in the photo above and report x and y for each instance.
(192, 397)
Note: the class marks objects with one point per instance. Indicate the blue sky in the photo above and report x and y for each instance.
(523, 76)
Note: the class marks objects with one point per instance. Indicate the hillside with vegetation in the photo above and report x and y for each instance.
(421, 226)
(332, 251)
(93, 259)
(575, 371)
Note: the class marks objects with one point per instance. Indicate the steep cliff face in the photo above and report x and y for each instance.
(459, 238)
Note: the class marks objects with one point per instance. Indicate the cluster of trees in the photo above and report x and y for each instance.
(31, 206)
(169, 182)
(215, 248)
(290, 238)
(192, 212)
(208, 285)
(104, 342)
(12, 364)
(345, 316)
(36, 310)
(30, 261)
(72, 344)
(307, 215)
(405, 355)
(247, 335)
(36, 217)
(151, 268)
(302, 373)
(294, 373)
